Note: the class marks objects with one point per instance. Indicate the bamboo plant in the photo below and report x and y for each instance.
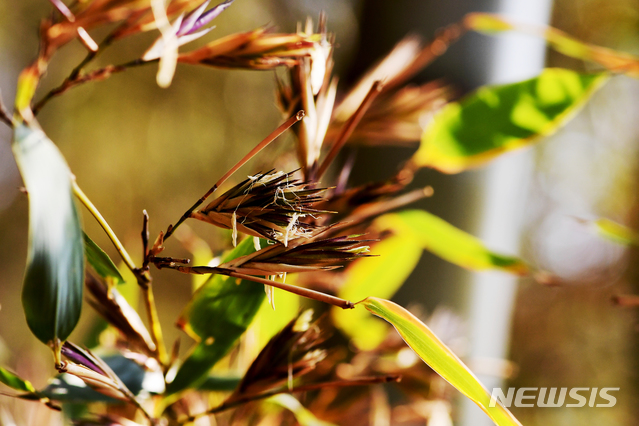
(301, 228)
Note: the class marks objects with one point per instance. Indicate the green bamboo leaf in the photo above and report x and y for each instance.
(100, 261)
(498, 119)
(15, 382)
(439, 357)
(218, 314)
(53, 282)
(613, 60)
(448, 242)
(379, 276)
(616, 232)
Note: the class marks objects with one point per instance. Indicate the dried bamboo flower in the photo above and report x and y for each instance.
(314, 90)
(289, 354)
(300, 256)
(187, 28)
(399, 117)
(259, 49)
(271, 205)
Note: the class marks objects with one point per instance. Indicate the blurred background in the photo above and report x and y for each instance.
(134, 146)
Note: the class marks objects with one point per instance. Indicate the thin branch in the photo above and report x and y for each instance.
(364, 381)
(103, 223)
(145, 239)
(145, 282)
(270, 138)
(97, 75)
(154, 321)
(350, 125)
(300, 291)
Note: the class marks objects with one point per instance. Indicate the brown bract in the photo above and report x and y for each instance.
(258, 49)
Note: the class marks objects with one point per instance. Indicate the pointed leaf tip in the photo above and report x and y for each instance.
(439, 357)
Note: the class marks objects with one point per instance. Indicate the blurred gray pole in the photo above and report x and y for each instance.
(516, 57)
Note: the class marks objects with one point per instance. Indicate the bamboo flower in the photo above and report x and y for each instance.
(188, 28)
(271, 205)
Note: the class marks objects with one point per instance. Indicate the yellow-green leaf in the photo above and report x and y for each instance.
(218, 314)
(100, 261)
(498, 119)
(15, 382)
(448, 242)
(54, 278)
(615, 61)
(616, 232)
(379, 276)
(439, 357)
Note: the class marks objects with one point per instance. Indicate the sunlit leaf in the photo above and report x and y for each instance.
(218, 314)
(269, 321)
(53, 283)
(448, 242)
(379, 276)
(303, 416)
(439, 357)
(15, 382)
(498, 119)
(616, 232)
(615, 61)
(100, 261)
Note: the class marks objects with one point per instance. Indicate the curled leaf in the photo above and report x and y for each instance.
(53, 283)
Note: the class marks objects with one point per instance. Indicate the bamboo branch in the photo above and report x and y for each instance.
(300, 291)
(97, 75)
(364, 381)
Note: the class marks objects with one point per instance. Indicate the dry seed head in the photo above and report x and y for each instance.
(268, 205)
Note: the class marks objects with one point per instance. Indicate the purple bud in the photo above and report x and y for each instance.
(77, 355)
(196, 19)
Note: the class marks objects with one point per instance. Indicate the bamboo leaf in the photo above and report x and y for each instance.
(448, 242)
(100, 261)
(379, 276)
(15, 382)
(613, 60)
(616, 232)
(218, 314)
(498, 119)
(53, 283)
(439, 357)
